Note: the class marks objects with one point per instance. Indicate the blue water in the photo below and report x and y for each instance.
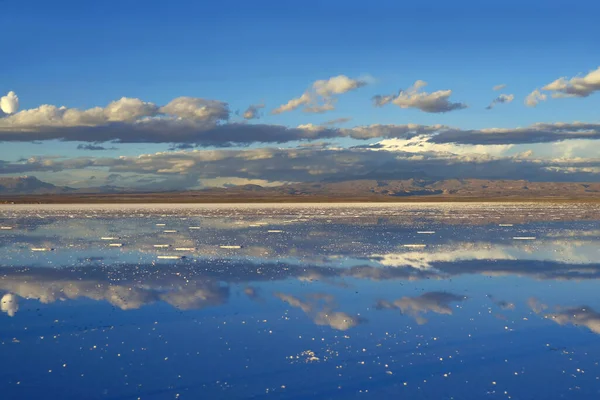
(336, 302)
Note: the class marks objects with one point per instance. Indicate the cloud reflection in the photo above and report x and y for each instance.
(9, 304)
(320, 308)
(578, 316)
(436, 302)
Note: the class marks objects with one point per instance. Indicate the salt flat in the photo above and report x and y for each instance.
(429, 300)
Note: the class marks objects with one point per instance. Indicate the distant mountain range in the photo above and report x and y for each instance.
(418, 187)
(30, 185)
(31, 189)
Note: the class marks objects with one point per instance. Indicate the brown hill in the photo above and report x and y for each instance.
(356, 190)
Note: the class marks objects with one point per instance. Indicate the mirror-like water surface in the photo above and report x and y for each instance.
(427, 301)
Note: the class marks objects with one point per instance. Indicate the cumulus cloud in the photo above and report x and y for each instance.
(502, 99)
(196, 109)
(320, 308)
(337, 85)
(436, 302)
(413, 97)
(320, 96)
(9, 104)
(253, 111)
(128, 110)
(579, 86)
(126, 120)
(535, 97)
(187, 122)
(499, 87)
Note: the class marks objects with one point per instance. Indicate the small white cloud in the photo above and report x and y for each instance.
(502, 99)
(435, 102)
(128, 110)
(9, 104)
(499, 87)
(575, 87)
(197, 109)
(320, 96)
(293, 104)
(253, 111)
(535, 97)
(337, 85)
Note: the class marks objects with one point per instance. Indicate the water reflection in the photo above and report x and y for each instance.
(320, 307)
(9, 304)
(435, 302)
(347, 298)
(577, 316)
(194, 285)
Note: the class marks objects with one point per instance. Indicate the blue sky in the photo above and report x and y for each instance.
(87, 54)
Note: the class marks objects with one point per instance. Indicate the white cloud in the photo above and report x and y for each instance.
(253, 111)
(499, 87)
(424, 144)
(337, 85)
(575, 87)
(502, 99)
(9, 104)
(435, 102)
(579, 86)
(293, 104)
(197, 109)
(320, 96)
(125, 110)
(535, 97)
(129, 110)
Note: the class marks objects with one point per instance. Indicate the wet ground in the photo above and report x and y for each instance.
(430, 301)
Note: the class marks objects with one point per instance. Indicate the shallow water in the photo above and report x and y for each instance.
(426, 301)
